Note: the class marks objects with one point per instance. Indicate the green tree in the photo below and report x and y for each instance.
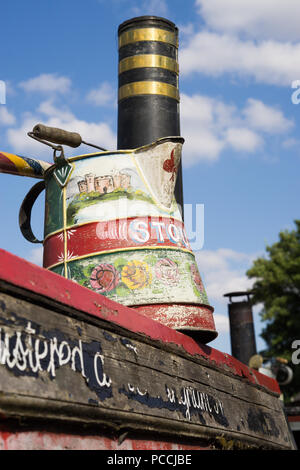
(277, 287)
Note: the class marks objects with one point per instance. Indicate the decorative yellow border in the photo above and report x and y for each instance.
(148, 34)
(119, 152)
(65, 232)
(116, 153)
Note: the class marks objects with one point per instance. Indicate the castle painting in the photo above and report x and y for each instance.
(104, 184)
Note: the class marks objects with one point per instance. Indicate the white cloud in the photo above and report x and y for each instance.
(98, 133)
(36, 256)
(47, 83)
(49, 109)
(256, 18)
(211, 126)
(243, 139)
(249, 38)
(223, 271)
(222, 323)
(185, 31)
(266, 118)
(201, 145)
(198, 129)
(6, 118)
(214, 54)
(103, 95)
(19, 141)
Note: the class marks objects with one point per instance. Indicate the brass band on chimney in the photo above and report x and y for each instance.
(148, 106)
(142, 72)
(148, 34)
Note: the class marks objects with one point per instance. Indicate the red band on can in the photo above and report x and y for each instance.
(119, 234)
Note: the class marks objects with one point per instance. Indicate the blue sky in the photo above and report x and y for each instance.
(241, 155)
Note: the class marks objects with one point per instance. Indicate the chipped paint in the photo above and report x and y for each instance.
(188, 401)
(17, 272)
(44, 440)
(114, 226)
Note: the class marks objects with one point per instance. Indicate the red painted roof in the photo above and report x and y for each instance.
(21, 273)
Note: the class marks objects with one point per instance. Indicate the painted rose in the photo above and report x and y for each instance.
(104, 278)
(166, 271)
(136, 275)
(196, 278)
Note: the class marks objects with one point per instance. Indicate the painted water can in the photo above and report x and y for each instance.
(112, 224)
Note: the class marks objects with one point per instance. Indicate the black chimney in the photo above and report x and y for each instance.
(242, 335)
(148, 101)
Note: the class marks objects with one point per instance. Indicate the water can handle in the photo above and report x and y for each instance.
(25, 212)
